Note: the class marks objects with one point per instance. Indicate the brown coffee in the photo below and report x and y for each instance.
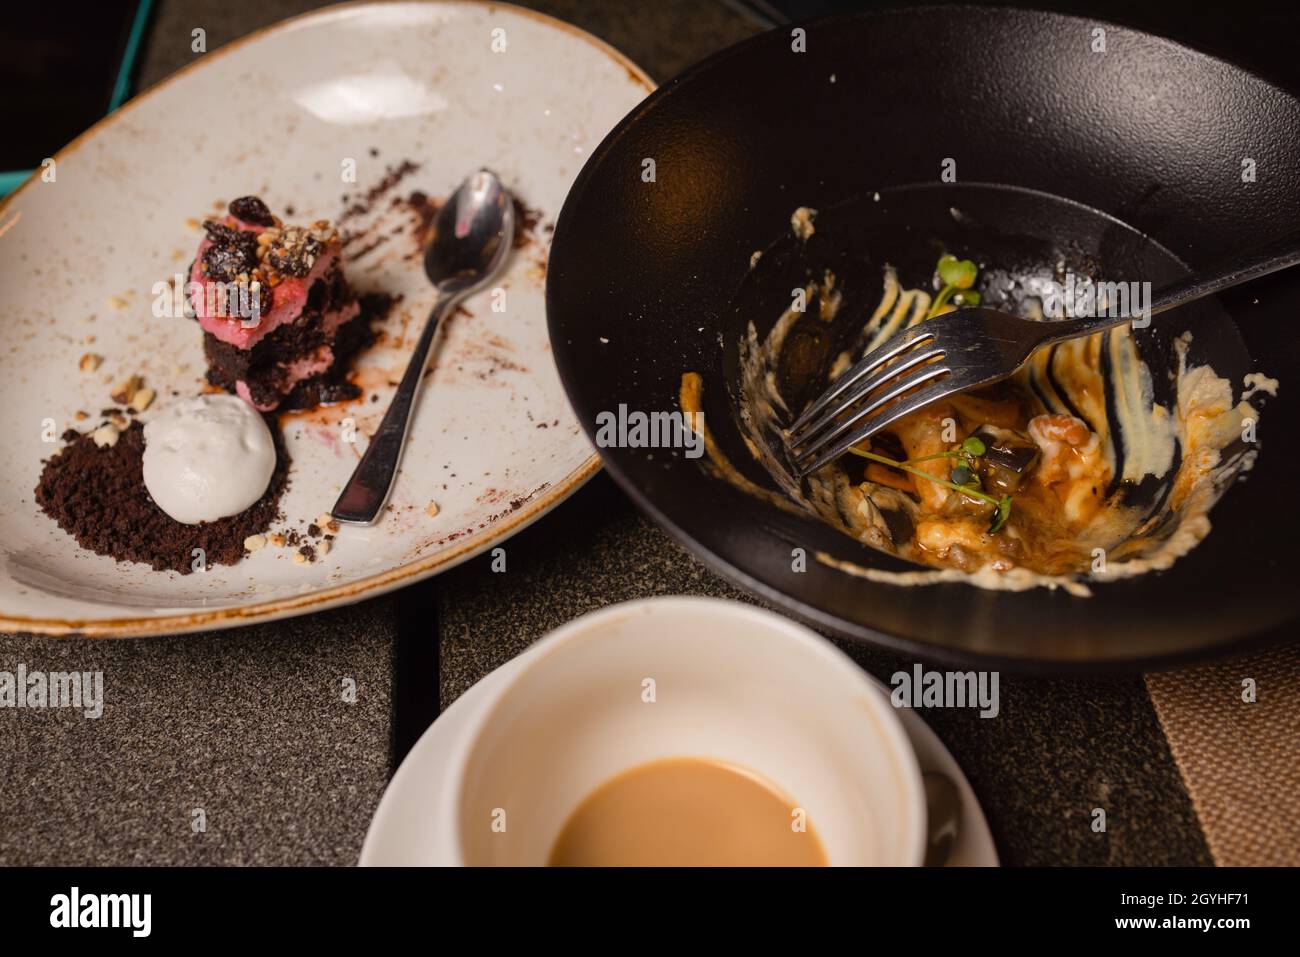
(688, 812)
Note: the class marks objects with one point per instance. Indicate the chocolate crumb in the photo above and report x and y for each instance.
(425, 209)
(98, 496)
(392, 176)
(526, 220)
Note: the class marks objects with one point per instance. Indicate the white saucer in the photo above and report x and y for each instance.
(402, 834)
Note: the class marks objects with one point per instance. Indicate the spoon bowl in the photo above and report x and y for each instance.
(471, 236)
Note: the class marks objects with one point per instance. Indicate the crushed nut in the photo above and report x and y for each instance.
(293, 250)
(254, 543)
(118, 419)
(80, 416)
(432, 509)
(299, 558)
(323, 548)
(276, 539)
(90, 362)
(142, 399)
(125, 390)
(327, 521)
(105, 436)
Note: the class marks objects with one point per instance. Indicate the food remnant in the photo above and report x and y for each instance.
(801, 222)
(1012, 485)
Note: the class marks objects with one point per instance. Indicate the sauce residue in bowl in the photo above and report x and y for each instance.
(1072, 521)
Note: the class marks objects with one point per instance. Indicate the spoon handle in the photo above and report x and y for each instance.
(366, 492)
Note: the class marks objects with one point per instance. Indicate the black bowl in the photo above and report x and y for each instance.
(1133, 158)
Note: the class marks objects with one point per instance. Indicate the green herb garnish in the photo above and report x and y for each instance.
(964, 479)
(956, 272)
(957, 276)
(1004, 513)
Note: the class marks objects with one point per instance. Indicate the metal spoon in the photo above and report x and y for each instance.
(472, 235)
(943, 811)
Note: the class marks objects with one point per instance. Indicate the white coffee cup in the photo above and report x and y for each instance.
(684, 677)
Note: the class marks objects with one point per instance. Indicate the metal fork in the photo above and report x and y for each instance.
(969, 348)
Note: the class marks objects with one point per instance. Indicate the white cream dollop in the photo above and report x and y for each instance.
(207, 457)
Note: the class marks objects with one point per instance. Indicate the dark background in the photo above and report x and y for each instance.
(57, 77)
(1261, 36)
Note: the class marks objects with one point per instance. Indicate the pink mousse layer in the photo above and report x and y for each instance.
(305, 366)
(288, 298)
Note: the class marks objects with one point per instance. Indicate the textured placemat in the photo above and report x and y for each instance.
(1234, 729)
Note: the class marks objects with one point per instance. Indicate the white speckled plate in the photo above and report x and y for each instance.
(283, 113)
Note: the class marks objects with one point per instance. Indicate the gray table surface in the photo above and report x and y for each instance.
(251, 727)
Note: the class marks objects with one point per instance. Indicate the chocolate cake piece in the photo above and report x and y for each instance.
(264, 369)
(276, 309)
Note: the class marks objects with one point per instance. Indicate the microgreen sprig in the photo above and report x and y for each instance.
(965, 454)
(958, 277)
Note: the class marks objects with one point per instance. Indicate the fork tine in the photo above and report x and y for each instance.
(904, 384)
(873, 382)
(862, 367)
(932, 392)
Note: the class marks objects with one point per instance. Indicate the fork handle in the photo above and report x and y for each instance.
(1259, 261)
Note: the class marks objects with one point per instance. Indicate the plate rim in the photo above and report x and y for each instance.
(390, 579)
